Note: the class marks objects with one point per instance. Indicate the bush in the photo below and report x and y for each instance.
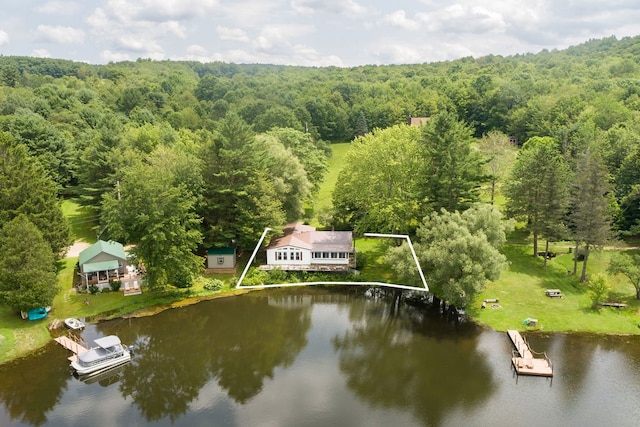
(276, 276)
(361, 260)
(598, 290)
(93, 289)
(213, 285)
(115, 286)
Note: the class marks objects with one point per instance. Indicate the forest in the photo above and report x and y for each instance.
(179, 156)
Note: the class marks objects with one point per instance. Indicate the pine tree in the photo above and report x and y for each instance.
(590, 216)
(361, 125)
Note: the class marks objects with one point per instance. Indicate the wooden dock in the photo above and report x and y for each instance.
(75, 345)
(524, 359)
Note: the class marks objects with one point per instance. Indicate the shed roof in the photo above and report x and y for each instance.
(112, 248)
(226, 250)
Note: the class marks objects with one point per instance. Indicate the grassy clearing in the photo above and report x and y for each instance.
(323, 200)
(521, 287)
(82, 221)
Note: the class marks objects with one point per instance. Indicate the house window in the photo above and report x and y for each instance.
(220, 260)
(342, 255)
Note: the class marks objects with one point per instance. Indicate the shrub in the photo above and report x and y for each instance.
(361, 261)
(276, 276)
(93, 289)
(115, 286)
(598, 290)
(213, 285)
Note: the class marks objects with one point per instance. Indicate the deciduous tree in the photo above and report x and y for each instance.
(627, 264)
(154, 210)
(377, 189)
(458, 253)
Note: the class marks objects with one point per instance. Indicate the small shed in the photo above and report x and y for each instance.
(221, 258)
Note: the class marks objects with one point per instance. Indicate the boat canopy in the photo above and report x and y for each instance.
(108, 341)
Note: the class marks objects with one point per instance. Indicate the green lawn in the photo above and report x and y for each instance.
(323, 200)
(82, 221)
(521, 295)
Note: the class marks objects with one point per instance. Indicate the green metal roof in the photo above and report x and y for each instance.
(221, 251)
(112, 248)
(92, 267)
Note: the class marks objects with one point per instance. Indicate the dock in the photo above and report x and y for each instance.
(526, 361)
(73, 344)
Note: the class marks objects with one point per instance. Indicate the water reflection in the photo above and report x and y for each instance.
(22, 392)
(396, 359)
(236, 343)
(316, 357)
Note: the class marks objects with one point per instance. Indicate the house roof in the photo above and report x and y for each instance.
(322, 241)
(221, 251)
(92, 267)
(112, 248)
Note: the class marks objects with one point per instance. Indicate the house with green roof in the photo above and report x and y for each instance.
(102, 263)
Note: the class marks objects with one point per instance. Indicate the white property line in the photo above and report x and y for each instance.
(388, 285)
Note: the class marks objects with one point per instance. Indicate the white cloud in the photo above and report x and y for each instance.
(58, 8)
(58, 34)
(460, 18)
(159, 10)
(399, 19)
(108, 56)
(347, 7)
(41, 53)
(232, 34)
(4, 38)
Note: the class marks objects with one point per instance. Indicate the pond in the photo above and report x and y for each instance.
(317, 357)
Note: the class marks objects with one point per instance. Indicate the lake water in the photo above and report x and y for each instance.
(312, 357)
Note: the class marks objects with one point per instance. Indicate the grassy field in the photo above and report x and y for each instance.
(521, 294)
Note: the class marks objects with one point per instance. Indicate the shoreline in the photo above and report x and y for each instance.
(155, 309)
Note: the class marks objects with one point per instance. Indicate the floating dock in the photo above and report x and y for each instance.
(524, 359)
(75, 345)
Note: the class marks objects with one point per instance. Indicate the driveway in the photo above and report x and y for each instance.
(75, 249)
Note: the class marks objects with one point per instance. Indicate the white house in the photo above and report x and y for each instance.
(302, 248)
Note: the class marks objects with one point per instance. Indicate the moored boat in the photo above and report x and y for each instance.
(108, 353)
(73, 323)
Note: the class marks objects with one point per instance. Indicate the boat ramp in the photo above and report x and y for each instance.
(526, 361)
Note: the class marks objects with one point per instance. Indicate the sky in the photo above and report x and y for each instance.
(320, 33)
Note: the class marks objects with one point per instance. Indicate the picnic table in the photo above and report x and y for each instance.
(553, 293)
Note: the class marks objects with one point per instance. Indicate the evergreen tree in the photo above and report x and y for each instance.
(454, 171)
(239, 200)
(537, 188)
(25, 188)
(590, 215)
(27, 266)
(361, 125)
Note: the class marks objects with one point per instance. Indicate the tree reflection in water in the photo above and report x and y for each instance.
(170, 367)
(388, 359)
(23, 395)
